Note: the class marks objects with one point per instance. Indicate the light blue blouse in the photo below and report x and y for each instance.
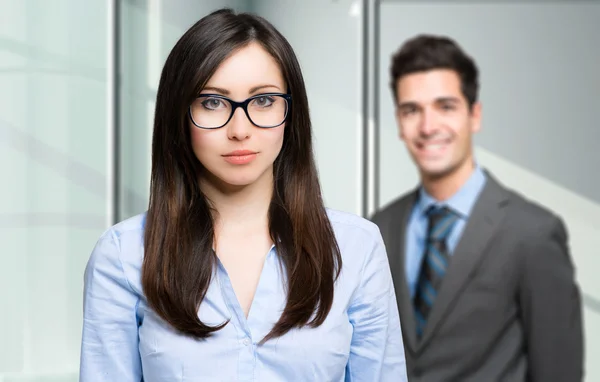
(125, 341)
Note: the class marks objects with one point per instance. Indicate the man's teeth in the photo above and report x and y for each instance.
(433, 146)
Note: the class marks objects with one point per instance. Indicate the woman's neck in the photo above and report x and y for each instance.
(240, 208)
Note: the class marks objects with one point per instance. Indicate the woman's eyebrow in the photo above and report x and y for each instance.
(252, 90)
(260, 87)
(216, 90)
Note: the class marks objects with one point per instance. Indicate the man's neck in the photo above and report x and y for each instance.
(444, 187)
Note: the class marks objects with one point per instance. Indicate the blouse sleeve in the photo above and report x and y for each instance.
(109, 347)
(377, 349)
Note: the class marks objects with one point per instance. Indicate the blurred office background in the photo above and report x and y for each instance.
(78, 81)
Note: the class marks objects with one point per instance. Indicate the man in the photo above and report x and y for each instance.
(484, 280)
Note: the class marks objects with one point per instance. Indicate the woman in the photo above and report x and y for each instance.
(237, 272)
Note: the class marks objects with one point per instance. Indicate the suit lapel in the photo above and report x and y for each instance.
(397, 265)
(481, 226)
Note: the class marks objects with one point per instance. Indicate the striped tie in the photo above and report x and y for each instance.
(435, 262)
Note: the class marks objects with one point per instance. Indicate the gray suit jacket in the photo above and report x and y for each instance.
(508, 308)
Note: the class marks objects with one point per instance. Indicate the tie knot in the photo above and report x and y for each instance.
(441, 221)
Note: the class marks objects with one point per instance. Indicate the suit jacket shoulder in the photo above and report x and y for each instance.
(383, 216)
(528, 227)
(530, 207)
(535, 217)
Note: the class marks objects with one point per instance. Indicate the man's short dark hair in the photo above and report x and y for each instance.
(429, 52)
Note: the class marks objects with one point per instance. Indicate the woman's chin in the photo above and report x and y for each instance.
(234, 183)
(235, 180)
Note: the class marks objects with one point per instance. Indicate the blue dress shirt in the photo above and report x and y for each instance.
(125, 341)
(462, 203)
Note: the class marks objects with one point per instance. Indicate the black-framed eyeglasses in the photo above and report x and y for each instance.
(213, 111)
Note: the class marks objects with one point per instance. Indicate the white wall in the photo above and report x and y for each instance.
(540, 92)
(53, 166)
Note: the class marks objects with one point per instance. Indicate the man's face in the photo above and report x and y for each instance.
(435, 121)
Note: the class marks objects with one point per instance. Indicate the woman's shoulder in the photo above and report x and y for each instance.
(133, 225)
(120, 249)
(361, 246)
(348, 222)
(356, 236)
(127, 234)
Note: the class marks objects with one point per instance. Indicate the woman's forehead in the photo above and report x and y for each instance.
(248, 70)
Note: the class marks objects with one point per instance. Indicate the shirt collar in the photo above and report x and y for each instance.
(462, 202)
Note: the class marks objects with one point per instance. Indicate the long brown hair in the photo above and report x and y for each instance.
(178, 260)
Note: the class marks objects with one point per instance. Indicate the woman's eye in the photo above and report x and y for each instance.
(263, 101)
(212, 103)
